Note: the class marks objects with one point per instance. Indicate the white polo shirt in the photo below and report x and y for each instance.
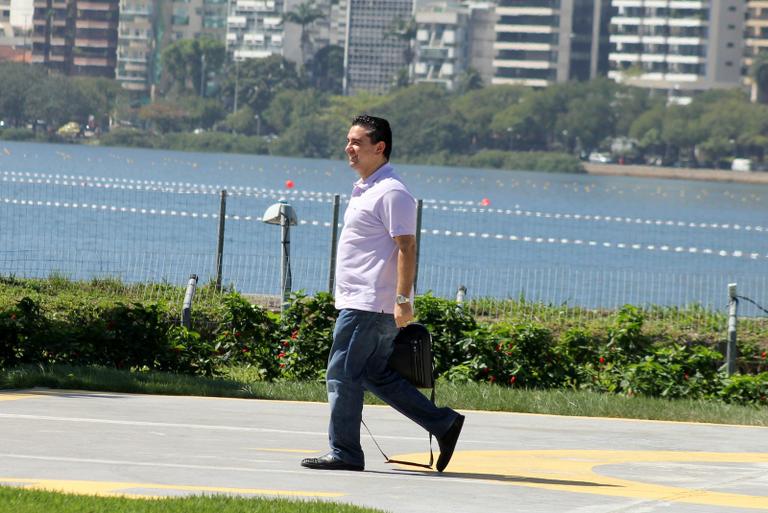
(379, 209)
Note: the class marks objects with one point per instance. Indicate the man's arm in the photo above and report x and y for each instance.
(406, 272)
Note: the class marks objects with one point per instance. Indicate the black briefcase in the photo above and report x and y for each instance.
(412, 355)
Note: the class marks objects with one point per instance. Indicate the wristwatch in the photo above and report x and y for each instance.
(401, 299)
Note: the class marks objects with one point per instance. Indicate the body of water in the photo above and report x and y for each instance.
(559, 238)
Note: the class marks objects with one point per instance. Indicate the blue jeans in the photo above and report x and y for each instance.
(362, 344)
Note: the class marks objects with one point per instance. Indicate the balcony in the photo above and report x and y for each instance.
(526, 64)
(432, 53)
(94, 43)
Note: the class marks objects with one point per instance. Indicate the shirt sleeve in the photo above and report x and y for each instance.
(397, 211)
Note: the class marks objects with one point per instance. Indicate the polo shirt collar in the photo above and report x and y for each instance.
(384, 171)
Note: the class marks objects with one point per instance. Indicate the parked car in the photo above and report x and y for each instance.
(599, 158)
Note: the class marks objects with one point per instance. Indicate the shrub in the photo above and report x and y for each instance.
(746, 389)
(306, 335)
(674, 372)
(450, 325)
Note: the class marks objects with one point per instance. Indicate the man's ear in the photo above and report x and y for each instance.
(381, 146)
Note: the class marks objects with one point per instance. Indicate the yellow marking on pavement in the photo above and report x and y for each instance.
(574, 471)
(14, 396)
(295, 451)
(117, 489)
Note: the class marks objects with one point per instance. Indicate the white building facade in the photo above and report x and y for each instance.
(374, 55)
(255, 29)
(677, 46)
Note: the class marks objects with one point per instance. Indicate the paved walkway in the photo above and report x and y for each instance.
(139, 445)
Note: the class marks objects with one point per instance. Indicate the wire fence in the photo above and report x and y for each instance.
(508, 260)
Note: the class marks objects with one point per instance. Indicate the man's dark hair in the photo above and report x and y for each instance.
(377, 129)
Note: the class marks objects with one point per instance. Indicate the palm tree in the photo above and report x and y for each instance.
(759, 75)
(304, 15)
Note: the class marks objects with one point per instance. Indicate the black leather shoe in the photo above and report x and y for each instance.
(447, 443)
(329, 462)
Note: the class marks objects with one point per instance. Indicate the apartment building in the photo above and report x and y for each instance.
(676, 46)
(374, 53)
(76, 37)
(254, 28)
(755, 39)
(442, 43)
(6, 30)
(541, 42)
(136, 57)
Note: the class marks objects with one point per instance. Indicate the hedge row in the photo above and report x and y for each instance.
(619, 358)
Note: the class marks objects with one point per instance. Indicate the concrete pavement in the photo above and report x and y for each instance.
(140, 445)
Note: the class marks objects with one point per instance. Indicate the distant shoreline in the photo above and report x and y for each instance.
(674, 173)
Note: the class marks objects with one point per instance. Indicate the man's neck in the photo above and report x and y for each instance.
(367, 174)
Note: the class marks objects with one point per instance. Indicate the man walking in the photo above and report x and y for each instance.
(375, 269)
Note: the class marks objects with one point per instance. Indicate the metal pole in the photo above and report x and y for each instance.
(460, 294)
(285, 269)
(220, 246)
(186, 310)
(419, 208)
(334, 242)
(732, 350)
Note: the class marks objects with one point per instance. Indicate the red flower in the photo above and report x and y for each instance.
(512, 380)
(13, 318)
(764, 355)
(492, 379)
(602, 360)
(286, 344)
(246, 350)
(282, 365)
(281, 355)
(237, 334)
(685, 376)
(498, 347)
(295, 334)
(485, 370)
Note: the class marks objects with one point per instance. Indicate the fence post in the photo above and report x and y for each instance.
(460, 294)
(186, 310)
(220, 245)
(419, 208)
(732, 350)
(334, 242)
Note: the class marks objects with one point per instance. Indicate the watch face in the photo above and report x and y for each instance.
(400, 300)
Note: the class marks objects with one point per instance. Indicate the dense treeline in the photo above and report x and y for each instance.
(270, 106)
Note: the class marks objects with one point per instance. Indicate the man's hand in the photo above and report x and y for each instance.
(403, 314)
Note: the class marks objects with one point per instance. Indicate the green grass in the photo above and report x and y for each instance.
(14, 500)
(244, 383)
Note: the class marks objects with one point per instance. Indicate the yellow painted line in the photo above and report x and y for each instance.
(13, 396)
(574, 471)
(117, 489)
(294, 451)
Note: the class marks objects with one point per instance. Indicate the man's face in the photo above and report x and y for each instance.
(364, 156)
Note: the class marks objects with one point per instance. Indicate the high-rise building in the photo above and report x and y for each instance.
(377, 48)
(755, 38)
(677, 46)
(190, 19)
(255, 28)
(136, 43)
(442, 43)
(6, 31)
(76, 37)
(541, 42)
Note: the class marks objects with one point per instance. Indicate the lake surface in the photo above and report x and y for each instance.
(583, 240)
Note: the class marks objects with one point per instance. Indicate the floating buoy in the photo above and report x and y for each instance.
(485, 202)
(289, 184)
